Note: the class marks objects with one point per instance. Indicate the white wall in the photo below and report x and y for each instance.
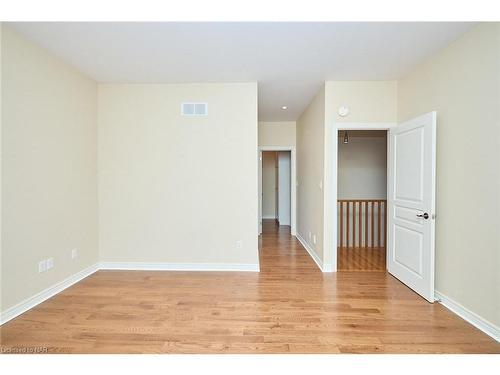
(49, 169)
(284, 185)
(362, 165)
(277, 133)
(150, 172)
(310, 173)
(1, 153)
(269, 178)
(462, 83)
(176, 189)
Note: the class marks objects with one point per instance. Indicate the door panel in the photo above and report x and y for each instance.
(409, 165)
(409, 245)
(411, 203)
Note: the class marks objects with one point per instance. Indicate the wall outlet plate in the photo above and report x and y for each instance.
(239, 244)
(42, 266)
(50, 263)
(74, 253)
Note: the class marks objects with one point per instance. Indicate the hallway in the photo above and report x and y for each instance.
(290, 306)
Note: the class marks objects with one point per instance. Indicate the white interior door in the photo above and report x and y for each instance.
(284, 182)
(259, 162)
(411, 203)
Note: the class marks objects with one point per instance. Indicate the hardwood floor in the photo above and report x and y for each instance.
(361, 259)
(289, 307)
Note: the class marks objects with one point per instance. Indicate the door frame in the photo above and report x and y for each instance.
(293, 183)
(330, 227)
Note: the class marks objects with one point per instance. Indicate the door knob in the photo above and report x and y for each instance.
(425, 215)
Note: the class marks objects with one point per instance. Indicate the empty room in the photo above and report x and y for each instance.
(254, 193)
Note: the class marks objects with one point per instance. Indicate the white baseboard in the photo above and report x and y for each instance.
(480, 323)
(139, 266)
(327, 267)
(44, 295)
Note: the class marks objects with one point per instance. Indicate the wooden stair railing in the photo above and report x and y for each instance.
(362, 223)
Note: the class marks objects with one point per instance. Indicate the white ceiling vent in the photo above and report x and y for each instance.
(194, 109)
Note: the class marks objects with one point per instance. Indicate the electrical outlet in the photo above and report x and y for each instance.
(309, 235)
(74, 253)
(239, 244)
(314, 239)
(42, 266)
(50, 263)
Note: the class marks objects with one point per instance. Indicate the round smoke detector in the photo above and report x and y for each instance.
(343, 111)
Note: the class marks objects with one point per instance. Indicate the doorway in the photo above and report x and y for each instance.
(361, 200)
(411, 200)
(277, 187)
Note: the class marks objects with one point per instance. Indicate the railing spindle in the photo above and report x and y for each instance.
(360, 221)
(378, 223)
(341, 223)
(353, 224)
(366, 224)
(347, 219)
(373, 224)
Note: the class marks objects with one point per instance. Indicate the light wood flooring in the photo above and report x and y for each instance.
(361, 259)
(289, 307)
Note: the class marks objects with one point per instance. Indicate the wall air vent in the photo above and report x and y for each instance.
(194, 109)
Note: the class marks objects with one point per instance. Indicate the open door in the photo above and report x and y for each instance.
(411, 203)
(259, 162)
